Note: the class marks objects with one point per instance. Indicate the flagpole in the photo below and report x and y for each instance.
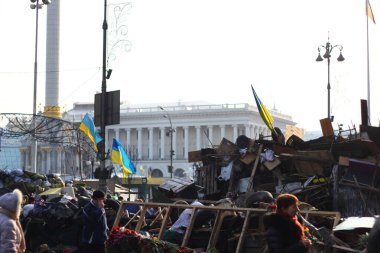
(368, 76)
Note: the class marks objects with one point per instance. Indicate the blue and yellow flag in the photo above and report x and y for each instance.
(265, 115)
(119, 156)
(87, 126)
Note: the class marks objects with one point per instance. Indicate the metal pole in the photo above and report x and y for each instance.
(102, 151)
(328, 88)
(368, 76)
(34, 147)
(171, 149)
(171, 130)
(329, 48)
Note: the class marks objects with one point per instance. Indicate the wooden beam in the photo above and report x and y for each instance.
(243, 232)
(189, 229)
(164, 223)
(250, 186)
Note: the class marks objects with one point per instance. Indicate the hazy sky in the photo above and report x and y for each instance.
(209, 50)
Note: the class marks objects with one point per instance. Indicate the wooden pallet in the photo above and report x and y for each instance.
(164, 210)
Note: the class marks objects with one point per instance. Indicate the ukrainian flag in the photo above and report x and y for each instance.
(265, 115)
(87, 126)
(119, 156)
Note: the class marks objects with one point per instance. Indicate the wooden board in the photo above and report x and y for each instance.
(327, 128)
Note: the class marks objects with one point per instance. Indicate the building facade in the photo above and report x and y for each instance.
(144, 131)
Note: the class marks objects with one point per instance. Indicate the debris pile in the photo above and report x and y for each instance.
(28, 182)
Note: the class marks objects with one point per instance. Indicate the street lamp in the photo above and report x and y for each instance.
(329, 48)
(169, 133)
(36, 5)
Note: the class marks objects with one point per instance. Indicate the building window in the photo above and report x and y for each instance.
(179, 173)
(157, 173)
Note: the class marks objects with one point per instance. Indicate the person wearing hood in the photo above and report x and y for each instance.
(12, 238)
(94, 233)
(284, 233)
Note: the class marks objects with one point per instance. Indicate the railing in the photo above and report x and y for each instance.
(184, 108)
(189, 108)
(165, 209)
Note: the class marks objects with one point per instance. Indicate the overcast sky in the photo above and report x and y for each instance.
(209, 50)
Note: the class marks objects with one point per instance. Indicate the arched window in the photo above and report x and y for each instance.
(179, 173)
(157, 173)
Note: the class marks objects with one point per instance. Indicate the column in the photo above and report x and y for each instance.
(198, 137)
(59, 160)
(235, 133)
(210, 135)
(43, 161)
(27, 160)
(22, 160)
(117, 134)
(248, 131)
(186, 128)
(256, 132)
(222, 132)
(151, 143)
(48, 160)
(128, 138)
(63, 168)
(260, 130)
(139, 143)
(162, 143)
(174, 133)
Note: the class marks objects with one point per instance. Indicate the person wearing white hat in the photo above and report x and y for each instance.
(12, 238)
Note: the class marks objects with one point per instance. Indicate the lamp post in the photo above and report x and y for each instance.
(329, 48)
(102, 147)
(169, 133)
(36, 5)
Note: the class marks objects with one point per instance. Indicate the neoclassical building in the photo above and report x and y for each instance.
(143, 131)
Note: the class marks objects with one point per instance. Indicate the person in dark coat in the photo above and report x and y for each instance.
(374, 238)
(94, 233)
(284, 233)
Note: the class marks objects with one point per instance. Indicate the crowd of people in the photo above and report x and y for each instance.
(284, 232)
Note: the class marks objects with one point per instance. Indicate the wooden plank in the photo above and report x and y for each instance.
(217, 226)
(119, 214)
(158, 215)
(243, 232)
(341, 248)
(164, 222)
(250, 186)
(327, 129)
(131, 219)
(194, 156)
(214, 175)
(189, 229)
(344, 161)
(142, 219)
(215, 229)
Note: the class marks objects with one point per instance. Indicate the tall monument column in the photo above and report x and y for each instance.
(52, 108)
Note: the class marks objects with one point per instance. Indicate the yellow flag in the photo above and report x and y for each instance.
(369, 12)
